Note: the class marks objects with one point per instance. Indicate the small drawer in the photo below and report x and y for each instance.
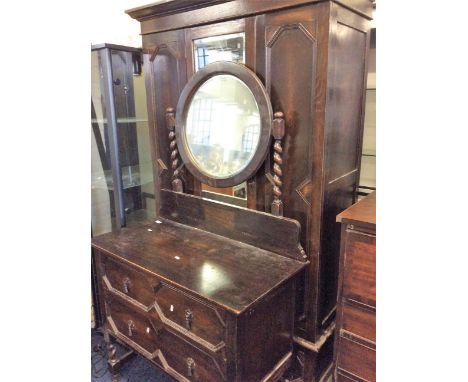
(356, 359)
(120, 279)
(359, 321)
(205, 324)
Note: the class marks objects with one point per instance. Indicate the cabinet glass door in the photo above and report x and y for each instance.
(102, 185)
(122, 188)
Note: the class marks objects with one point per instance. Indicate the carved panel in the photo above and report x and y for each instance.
(210, 314)
(167, 77)
(289, 84)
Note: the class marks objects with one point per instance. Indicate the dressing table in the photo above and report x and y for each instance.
(256, 113)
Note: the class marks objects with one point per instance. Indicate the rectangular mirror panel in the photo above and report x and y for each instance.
(228, 47)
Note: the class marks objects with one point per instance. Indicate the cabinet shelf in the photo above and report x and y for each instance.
(119, 120)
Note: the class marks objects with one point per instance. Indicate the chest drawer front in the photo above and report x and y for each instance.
(155, 341)
(359, 321)
(359, 267)
(356, 359)
(132, 326)
(119, 277)
(190, 316)
(189, 361)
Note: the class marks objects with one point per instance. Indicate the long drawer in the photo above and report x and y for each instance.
(151, 338)
(176, 309)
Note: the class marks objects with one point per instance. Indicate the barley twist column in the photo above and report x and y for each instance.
(170, 122)
(278, 133)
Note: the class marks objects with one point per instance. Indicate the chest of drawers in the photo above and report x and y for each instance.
(200, 306)
(355, 342)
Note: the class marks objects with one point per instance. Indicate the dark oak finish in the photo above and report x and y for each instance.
(277, 234)
(249, 78)
(154, 19)
(355, 343)
(188, 300)
(311, 56)
(234, 266)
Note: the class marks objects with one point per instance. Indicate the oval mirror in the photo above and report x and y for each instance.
(223, 124)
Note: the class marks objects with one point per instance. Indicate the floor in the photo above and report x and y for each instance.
(137, 369)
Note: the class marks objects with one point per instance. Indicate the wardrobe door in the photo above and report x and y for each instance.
(293, 65)
(165, 77)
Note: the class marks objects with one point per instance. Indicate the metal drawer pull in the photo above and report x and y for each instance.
(190, 367)
(188, 319)
(126, 285)
(131, 328)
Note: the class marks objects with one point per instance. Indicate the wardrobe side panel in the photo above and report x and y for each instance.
(347, 73)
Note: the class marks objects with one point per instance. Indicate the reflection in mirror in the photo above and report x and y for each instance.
(223, 126)
(236, 195)
(229, 47)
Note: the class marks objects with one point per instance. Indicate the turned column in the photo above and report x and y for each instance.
(278, 131)
(170, 122)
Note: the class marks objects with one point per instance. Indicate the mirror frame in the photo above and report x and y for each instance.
(249, 78)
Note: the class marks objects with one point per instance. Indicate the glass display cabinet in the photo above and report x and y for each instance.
(122, 189)
(367, 181)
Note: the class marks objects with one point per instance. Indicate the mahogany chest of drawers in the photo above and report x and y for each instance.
(200, 306)
(355, 341)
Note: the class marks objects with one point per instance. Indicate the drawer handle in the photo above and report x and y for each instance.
(188, 319)
(190, 367)
(126, 285)
(131, 328)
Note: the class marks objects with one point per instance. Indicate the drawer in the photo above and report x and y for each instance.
(192, 317)
(356, 359)
(359, 267)
(119, 277)
(132, 326)
(151, 338)
(358, 321)
(190, 362)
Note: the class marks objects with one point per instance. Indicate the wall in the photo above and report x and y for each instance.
(109, 23)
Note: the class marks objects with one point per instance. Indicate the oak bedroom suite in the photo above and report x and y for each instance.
(240, 243)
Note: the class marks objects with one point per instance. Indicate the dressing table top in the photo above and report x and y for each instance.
(228, 273)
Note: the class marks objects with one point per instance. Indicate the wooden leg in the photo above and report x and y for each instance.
(316, 359)
(112, 361)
